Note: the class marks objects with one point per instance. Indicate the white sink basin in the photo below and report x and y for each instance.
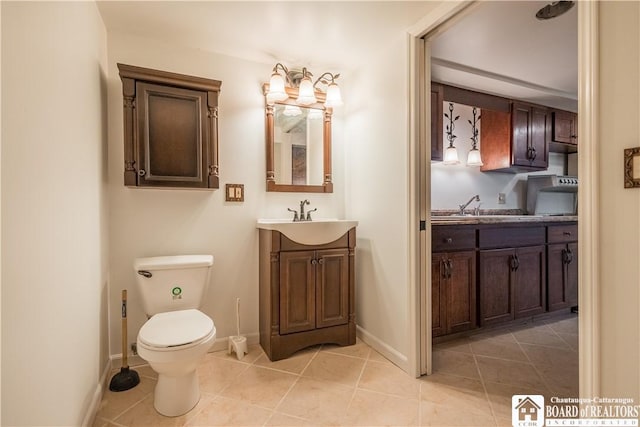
(316, 232)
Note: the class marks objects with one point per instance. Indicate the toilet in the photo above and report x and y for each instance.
(177, 334)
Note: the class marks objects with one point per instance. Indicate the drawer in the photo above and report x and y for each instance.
(562, 233)
(446, 238)
(511, 237)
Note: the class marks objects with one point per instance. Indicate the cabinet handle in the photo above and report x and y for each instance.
(449, 266)
(517, 262)
(533, 154)
(566, 233)
(567, 256)
(445, 268)
(321, 261)
(448, 240)
(514, 263)
(314, 261)
(142, 172)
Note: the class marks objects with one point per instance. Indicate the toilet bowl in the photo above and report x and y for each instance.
(173, 343)
(177, 334)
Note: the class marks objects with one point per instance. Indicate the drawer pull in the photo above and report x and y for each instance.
(448, 240)
(566, 233)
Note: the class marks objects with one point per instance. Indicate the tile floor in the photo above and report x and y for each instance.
(472, 384)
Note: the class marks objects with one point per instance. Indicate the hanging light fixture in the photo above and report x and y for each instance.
(474, 158)
(451, 153)
(306, 87)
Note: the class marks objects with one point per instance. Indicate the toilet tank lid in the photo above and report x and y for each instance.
(172, 262)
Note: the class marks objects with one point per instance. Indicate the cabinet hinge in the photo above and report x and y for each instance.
(423, 225)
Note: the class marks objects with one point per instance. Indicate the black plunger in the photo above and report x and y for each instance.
(127, 378)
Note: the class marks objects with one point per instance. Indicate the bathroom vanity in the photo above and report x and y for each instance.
(306, 285)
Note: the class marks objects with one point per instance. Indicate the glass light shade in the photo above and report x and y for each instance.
(334, 98)
(474, 158)
(306, 95)
(451, 156)
(276, 88)
(291, 111)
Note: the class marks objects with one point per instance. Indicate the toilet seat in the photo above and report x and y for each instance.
(176, 330)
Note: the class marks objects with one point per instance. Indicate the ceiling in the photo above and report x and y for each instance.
(500, 47)
(310, 33)
(496, 47)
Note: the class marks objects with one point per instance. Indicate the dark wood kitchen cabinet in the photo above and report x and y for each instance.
(437, 98)
(512, 273)
(306, 293)
(516, 141)
(564, 127)
(453, 280)
(562, 266)
(170, 129)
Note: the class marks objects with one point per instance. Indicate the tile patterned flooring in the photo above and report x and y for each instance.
(472, 384)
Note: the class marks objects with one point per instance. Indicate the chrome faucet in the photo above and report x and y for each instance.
(301, 217)
(463, 207)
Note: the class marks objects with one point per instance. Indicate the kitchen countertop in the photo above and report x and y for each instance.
(499, 219)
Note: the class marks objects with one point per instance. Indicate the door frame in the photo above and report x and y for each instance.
(420, 357)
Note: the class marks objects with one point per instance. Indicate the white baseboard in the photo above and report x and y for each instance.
(383, 348)
(90, 415)
(219, 345)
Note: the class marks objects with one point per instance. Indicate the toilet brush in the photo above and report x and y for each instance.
(238, 343)
(127, 378)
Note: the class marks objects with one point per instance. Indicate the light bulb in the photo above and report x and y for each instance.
(334, 98)
(474, 158)
(306, 95)
(451, 156)
(276, 88)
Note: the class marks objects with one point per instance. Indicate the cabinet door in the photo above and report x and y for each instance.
(437, 98)
(529, 287)
(172, 135)
(332, 287)
(461, 292)
(562, 275)
(496, 286)
(565, 127)
(538, 141)
(520, 124)
(297, 292)
(439, 275)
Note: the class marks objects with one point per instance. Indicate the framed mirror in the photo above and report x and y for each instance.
(298, 144)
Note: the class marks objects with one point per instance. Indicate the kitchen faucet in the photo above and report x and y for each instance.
(463, 207)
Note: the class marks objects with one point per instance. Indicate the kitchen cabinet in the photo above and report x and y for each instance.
(453, 280)
(512, 273)
(437, 112)
(515, 141)
(170, 129)
(306, 293)
(562, 262)
(564, 132)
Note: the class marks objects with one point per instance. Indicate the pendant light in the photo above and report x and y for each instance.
(451, 153)
(474, 158)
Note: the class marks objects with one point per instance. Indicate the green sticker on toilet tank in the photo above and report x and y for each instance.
(176, 291)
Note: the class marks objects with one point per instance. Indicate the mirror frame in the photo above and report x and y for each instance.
(327, 184)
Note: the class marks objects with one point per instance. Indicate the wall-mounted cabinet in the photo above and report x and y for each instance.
(516, 141)
(170, 129)
(564, 132)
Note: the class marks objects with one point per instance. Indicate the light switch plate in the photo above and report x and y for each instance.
(234, 192)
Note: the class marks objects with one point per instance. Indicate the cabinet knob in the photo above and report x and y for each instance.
(321, 261)
(142, 172)
(314, 261)
(448, 240)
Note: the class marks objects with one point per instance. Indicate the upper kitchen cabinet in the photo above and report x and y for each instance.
(564, 132)
(437, 98)
(515, 141)
(170, 129)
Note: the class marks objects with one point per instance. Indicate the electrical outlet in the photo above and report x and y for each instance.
(502, 198)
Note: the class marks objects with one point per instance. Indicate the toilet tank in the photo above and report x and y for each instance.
(170, 283)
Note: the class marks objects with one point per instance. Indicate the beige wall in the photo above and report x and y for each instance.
(54, 221)
(619, 208)
(148, 222)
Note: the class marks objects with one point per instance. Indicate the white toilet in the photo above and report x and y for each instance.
(177, 335)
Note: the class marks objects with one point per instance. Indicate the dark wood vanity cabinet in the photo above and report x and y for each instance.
(306, 293)
(516, 141)
(437, 98)
(562, 266)
(170, 129)
(453, 280)
(512, 273)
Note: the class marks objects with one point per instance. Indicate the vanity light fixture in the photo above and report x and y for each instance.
(451, 153)
(306, 87)
(474, 158)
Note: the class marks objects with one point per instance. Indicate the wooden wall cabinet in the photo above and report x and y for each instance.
(564, 132)
(516, 141)
(453, 280)
(511, 279)
(437, 132)
(306, 293)
(562, 266)
(170, 129)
